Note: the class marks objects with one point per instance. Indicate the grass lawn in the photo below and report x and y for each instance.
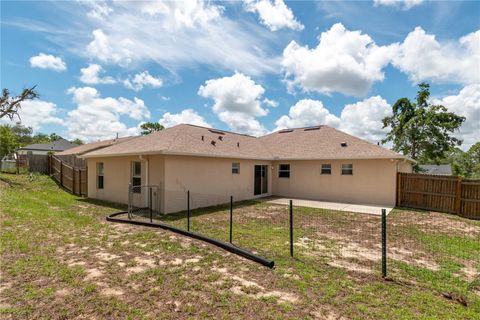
(60, 259)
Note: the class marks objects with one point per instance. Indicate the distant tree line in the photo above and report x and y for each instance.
(18, 135)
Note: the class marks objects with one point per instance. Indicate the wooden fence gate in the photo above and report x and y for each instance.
(71, 178)
(440, 193)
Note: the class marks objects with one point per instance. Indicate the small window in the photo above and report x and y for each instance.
(326, 168)
(347, 169)
(99, 175)
(136, 176)
(284, 171)
(235, 168)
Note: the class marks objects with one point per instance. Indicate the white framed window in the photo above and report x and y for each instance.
(326, 168)
(235, 167)
(347, 169)
(100, 175)
(284, 170)
(136, 176)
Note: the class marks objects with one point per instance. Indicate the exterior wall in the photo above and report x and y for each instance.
(372, 182)
(210, 181)
(117, 177)
(405, 166)
(42, 152)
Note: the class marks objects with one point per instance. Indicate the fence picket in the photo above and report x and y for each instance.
(441, 193)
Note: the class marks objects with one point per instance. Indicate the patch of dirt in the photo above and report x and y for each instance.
(92, 274)
(258, 292)
(112, 292)
(63, 292)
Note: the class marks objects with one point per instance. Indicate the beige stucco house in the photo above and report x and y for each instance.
(318, 163)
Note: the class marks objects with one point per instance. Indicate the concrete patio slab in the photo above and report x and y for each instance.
(339, 206)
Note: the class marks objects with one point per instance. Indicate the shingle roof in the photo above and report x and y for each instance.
(84, 148)
(58, 145)
(442, 169)
(320, 142)
(187, 140)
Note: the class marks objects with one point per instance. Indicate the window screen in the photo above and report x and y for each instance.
(347, 169)
(284, 171)
(326, 168)
(136, 176)
(235, 168)
(99, 175)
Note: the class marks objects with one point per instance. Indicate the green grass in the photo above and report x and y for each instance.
(61, 259)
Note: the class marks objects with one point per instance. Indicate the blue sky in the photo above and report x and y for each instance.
(104, 67)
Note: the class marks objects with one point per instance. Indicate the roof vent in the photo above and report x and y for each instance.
(220, 138)
(312, 128)
(216, 131)
(213, 142)
(238, 144)
(343, 144)
(203, 138)
(285, 131)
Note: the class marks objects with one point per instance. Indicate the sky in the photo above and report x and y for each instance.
(103, 68)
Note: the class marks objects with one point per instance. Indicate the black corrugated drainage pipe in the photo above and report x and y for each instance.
(224, 245)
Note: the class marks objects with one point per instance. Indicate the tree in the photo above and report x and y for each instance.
(54, 137)
(149, 127)
(78, 141)
(421, 130)
(9, 106)
(467, 164)
(8, 140)
(41, 138)
(24, 134)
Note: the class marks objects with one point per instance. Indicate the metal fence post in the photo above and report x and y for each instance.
(188, 210)
(129, 200)
(384, 243)
(150, 203)
(291, 228)
(231, 217)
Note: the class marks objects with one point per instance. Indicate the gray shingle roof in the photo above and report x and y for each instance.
(442, 169)
(58, 145)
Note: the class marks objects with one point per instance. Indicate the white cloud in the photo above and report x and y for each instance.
(305, 113)
(35, 114)
(91, 75)
(422, 57)
(48, 61)
(401, 4)
(364, 118)
(142, 79)
(236, 102)
(270, 102)
(344, 61)
(274, 15)
(467, 104)
(100, 118)
(178, 34)
(188, 116)
(99, 9)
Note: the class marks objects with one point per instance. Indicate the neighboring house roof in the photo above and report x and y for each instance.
(320, 142)
(58, 145)
(84, 148)
(442, 169)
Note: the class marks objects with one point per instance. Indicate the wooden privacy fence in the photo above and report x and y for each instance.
(440, 193)
(71, 178)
